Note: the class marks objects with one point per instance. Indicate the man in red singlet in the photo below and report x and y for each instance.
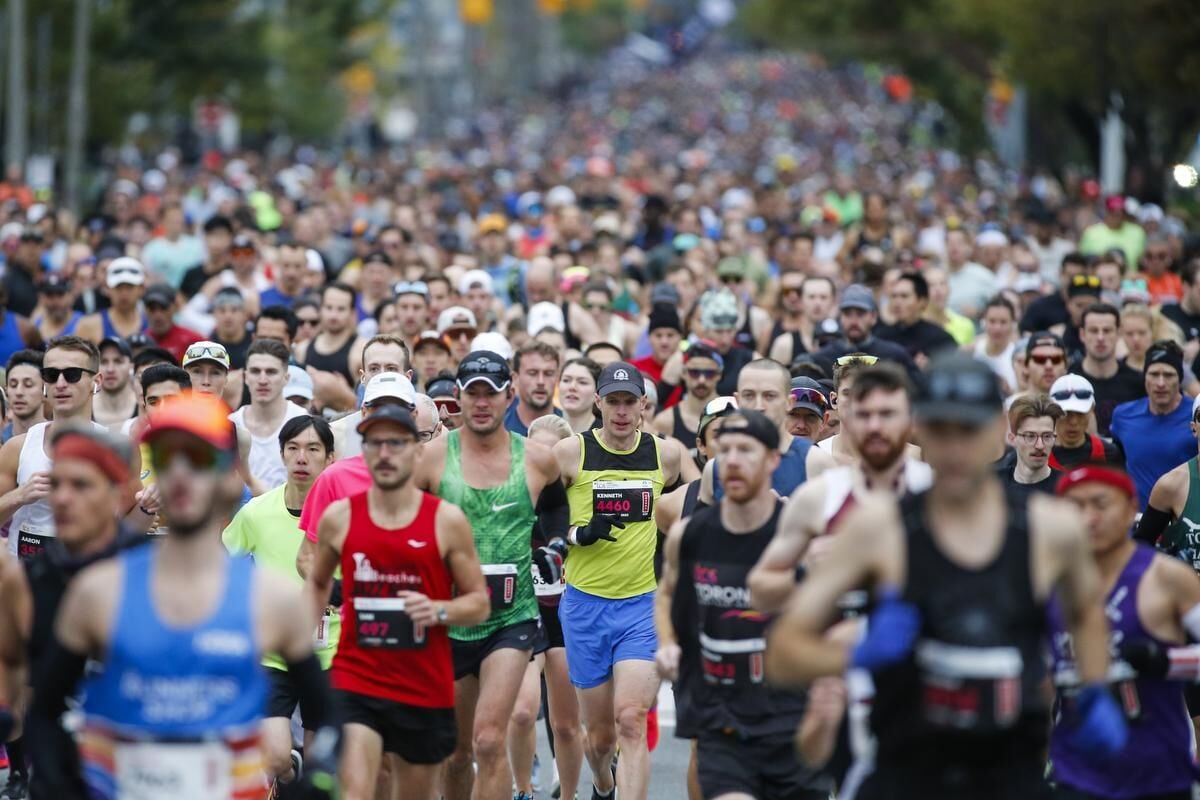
(404, 554)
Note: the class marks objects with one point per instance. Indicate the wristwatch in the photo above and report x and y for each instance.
(442, 614)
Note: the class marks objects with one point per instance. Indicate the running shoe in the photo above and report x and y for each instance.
(15, 789)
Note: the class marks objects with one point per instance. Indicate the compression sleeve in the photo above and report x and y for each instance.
(1152, 525)
(553, 512)
(56, 770)
(309, 682)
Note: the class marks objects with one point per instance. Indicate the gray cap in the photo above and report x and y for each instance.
(664, 293)
(857, 296)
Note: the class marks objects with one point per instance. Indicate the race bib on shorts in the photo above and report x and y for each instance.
(543, 589)
(732, 662)
(502, 584)
(382, 622)
(974, 689)
(152, 771)
(32, 541)
(627, 501)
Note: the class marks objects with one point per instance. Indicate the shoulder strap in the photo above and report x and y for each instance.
(1097, 448)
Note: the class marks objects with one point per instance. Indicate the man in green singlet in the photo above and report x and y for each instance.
(497, 479)
(1171, 520)
(614, 477)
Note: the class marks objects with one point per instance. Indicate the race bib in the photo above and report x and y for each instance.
(382, 622)
(151, 771)
(1122, 685)
(321, 636)
(32, 541)
(628, 501)
(732, 662)
(543, 589)
(974, 689)
(502, 584)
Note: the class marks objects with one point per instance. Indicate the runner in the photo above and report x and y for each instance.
(207, 364)
(1171, 520)
(336, 347)
(180, 627)
(701, 371)
(878, 427)
(1152, 603)
(703, 615)
(267, 529)
(614, 476)
(26, 392)
(69, 371)
(117, 402)
(497, 479)
(393, 669)
(1074, 446)
(845, 369)
(90, 474)
(959, 611)
(808, 409)
(266, 375)
(383, 352)
(1031, 423)
(161, 384)
(125, 278)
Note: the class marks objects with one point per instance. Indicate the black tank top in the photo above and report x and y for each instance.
(745, 334)
(680, 429)
(338, 361)
(797, 340)
(572, 341)
(722, 638)
(970, 695)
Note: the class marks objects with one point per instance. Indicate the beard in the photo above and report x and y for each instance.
(537, 405)
(881, 458)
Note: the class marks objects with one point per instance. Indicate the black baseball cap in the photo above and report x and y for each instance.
(484, 365)
(159, 294)
(441, 386)
(959, 388)
(117, 342)
(389, 412)
(53, 283)
(1045, 339)
(621, 376)
(748, 422)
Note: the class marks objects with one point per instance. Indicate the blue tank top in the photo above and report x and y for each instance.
(71, 323)
(108, 329)
(787, 477)
(201, 682)
(1158, 756)
(10, 337)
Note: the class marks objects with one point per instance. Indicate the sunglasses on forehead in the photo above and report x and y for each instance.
(206, 351)
(806, 395)
(865, 361)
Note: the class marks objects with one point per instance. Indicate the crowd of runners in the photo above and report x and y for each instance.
(332, 476)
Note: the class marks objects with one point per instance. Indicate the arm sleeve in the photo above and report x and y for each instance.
(55, 758)
(553, 511)
(1152, 525)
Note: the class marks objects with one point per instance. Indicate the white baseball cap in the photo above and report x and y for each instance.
(300, 383)
(313, 260)
(495, 342)
(125, 271)
(476, 278)
(456, 317)
(392, 385)
(545, 315)
(1073, 393)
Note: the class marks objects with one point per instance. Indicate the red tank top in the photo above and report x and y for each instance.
(381, 653)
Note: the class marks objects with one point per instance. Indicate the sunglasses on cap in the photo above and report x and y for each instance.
(70, 374)
(805, 395)
(1067, 394)
(720, 406)
(206, 351)
(411, 287)
(1090, 281)
(866, 361)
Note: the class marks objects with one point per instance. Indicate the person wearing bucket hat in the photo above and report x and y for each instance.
(108, 613)
(917, 557)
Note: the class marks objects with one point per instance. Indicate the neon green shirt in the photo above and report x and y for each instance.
(265, 529)
(960, 327)
(1099, 238)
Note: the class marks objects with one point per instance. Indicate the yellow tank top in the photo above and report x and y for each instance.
(624, 484)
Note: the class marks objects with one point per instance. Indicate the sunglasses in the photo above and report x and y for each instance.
(698, 373)
(794, 291)
(1090, 281)
(448, 404)
(1082, 394)
(865, 361)
(460, 333)
(71, 374)
(731, 279)
(1042, 361)
(206, 351)
(242, 251)
(597, 306)
(199, 456)
(804, 395)
(719, 406)
(314, 321)
(411, 287)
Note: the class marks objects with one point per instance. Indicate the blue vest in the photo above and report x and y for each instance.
(787, 477)
(203, 681)
(107, 329)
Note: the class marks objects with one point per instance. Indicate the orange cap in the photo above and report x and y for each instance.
(204, 416)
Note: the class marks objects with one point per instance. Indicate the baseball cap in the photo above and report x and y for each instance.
(300, 383)
(1073, 393)
(959, 388)
(545, 315)
(242, 242)
(1044, 339)
(703, 350)
(810, 395)
(391, 385)
(857, 296)
(397, 415)
(718, 311)
(621, 376)
(1114, 202)
(110, 249)
(483, 365)
(991, 238)
(430, 337)
(441, 386)
(731, 267)
(204, 416)
(53, 283)
(206, 351)
(159, 294)
(117, 342)
(748, 422)
(313, 260)
(493, 223)
(1027, 282)
(125, 271)
(476, 279)
(715, 409)
(493, 342)
(826, 331)
(664, 294)
(456, 317)
(1080, 285)
(573, 277)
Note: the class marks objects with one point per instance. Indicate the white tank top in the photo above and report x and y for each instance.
(33, 525)
(266, 462)
(843, 481)
(1002, 364)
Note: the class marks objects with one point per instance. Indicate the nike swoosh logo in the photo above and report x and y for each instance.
(413, 543)
(497, 509)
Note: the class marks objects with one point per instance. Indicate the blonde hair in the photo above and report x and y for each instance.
(1160, 327)
(552, 424)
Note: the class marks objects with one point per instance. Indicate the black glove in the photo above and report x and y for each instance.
(335, 597)
(599, 528)
(319, 780)
(1147, 657)
(549, 561)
